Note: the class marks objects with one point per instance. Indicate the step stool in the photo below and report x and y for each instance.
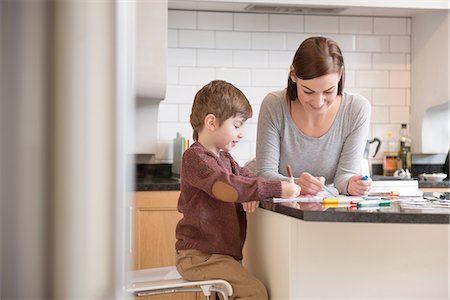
(167, 280)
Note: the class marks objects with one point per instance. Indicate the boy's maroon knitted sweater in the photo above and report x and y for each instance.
(212, 189)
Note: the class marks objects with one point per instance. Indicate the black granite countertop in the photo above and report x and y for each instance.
(157, 184)
(392, 214)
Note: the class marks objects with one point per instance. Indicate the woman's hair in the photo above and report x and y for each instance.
(316, 56)
(223, 100)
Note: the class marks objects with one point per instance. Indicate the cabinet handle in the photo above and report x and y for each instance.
(130, 231)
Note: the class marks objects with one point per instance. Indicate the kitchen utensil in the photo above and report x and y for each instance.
(366, 164)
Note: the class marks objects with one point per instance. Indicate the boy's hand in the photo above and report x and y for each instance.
(289, 190)
(250, 206)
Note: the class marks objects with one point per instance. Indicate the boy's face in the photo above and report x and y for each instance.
(229, 133)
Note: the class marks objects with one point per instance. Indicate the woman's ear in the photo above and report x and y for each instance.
(210, 122)
(292, 74)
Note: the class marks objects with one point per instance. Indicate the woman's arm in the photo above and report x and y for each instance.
(353, 148)
(268, 139)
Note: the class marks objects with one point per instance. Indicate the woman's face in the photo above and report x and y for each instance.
(317, 94)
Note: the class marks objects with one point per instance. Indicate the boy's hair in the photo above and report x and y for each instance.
(223, 100)
(316, 56)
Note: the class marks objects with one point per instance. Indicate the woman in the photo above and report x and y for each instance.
(314, 126)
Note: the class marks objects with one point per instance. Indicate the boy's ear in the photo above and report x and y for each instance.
(292, 74)
(210, 122)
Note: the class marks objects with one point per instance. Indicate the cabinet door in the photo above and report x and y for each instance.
(155, 220)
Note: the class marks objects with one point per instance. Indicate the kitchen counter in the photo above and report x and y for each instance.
(157, 184)
(372, 254)
(392, 214)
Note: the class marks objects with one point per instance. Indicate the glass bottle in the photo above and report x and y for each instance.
(390, 157)
(404, 153)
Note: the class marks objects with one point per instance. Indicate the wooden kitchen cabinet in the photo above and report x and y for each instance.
(155, 219)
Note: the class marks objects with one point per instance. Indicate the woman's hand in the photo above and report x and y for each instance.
(357, 187)
(250, 206)
(310, 185)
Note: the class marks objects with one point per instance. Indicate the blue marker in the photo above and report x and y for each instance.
(329, 191)
(365, 177)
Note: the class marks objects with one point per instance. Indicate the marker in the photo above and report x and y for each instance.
(365, 177)
(373, 203)
(341, 201)
(291, 176)
(329, 191)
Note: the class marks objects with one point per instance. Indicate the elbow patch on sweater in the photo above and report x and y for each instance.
(225, 192)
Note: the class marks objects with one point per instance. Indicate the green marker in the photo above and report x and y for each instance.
(373, 203)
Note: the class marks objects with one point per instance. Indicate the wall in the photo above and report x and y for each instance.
(254, 51)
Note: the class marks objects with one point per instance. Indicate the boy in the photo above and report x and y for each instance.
(211, 234)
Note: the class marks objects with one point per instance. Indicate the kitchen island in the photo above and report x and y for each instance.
(308, 251)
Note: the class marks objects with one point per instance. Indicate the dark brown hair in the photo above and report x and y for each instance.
(223, 100)
(315, 57)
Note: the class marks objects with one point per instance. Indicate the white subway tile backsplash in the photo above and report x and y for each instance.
(268, 41)
(167, 112)
(400, 79)
(238, 77)
(168, 130)
(250, 132)
(180, 93)
(172, 38)
(360, 25)
(214, 58)
(391, 26)
(350, 79)
(196, 76)
(286, 23)
(255, 95)
(380, 114)
(181, 19)
(250, 59)
(196, 38)
(381, 131)
(181, 57)
(372, 79)
(368, 43)
(399, 114)
(389, 97)
(400, 43)
(251, 22)
(241, 151)
(270, 77)
(254, 51)
(280, 59)
(389, 61)
(293, 40)
(254, 118)
(172, 75)
(321, 24)
(184, 112)
(357, 61)
(215, 20)
(346, 42)
(233, 40)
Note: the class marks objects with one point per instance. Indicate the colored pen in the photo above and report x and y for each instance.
(341, 201)
(365, 177)
(329, 191)
(373, 203)
(291, 176)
